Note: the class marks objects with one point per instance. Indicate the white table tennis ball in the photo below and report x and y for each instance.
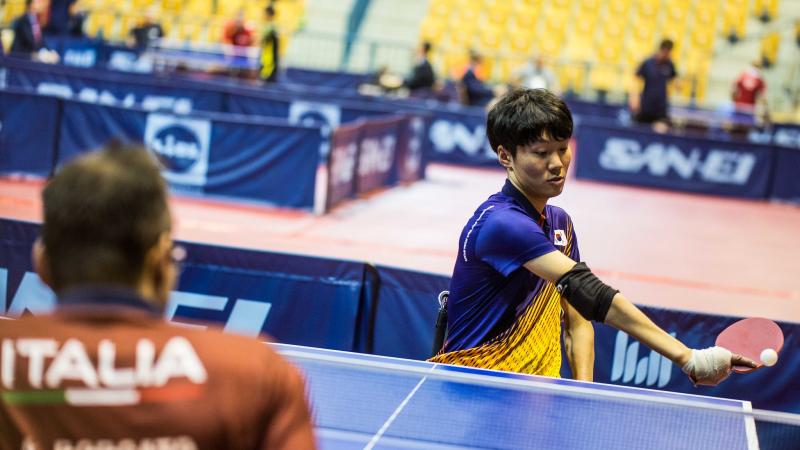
(769, 357)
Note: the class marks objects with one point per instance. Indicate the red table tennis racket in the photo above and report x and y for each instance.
(749, 337)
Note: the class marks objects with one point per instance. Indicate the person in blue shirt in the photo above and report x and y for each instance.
(517, 269)
(652, 105)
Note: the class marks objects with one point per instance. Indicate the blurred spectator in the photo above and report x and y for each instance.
(146, 32)
(270, 47)
(651, 106)
(107, 252)
(60, 11)
(77, 17)
(237, 32)
(28, 39)
(536, 75)
(473, 91)
(422, 77)
(797, 32)
(749, 89)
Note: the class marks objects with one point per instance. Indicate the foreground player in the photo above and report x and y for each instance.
(105, 371)
(517, 261)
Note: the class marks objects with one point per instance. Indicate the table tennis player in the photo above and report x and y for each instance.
(105, 370)
(518, 271)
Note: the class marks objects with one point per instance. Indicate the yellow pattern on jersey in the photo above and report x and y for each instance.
(531, 345)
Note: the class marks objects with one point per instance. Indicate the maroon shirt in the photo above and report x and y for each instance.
(105, 370)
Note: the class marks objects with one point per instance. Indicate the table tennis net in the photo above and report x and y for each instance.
(419, 407)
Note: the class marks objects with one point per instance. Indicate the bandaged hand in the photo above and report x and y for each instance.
(709, 366)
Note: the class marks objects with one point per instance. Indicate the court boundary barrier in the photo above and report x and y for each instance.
(356, 306)
(453, 134)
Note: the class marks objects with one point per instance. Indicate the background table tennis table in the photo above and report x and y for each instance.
(367, 401)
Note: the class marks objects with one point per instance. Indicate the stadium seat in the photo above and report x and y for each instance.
(604, 77)
(432, 29)
(489, 38)
(100, 21)
(12, 10)
(770, 45)
(572, 77)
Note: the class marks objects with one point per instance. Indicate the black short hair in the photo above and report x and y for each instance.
(28, 3)
(525, 116)
(270, 10)
(426, 47)
(666, 44)
(102, 213)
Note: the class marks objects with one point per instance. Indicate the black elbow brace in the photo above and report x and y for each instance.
(586, 293)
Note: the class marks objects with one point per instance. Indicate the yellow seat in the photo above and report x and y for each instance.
(579, 48)
(489, 38)
(431, 29)
(216, 29)
(172, 6)
(604, 77)
(572, 77)
(618, 8)
(770, 44)
(100, 21)
(12, 10)
(499, 13)
(440, 10)
(525, 18)
(521, 42)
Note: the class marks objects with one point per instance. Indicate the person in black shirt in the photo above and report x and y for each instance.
(146, 32)
(28, 37)
(422, 77)
(474, 91)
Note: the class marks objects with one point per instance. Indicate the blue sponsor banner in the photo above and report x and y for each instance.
(786, 182)
(372, 154)
(337, 80)
(342, 164)
(296, 299)
(377, 154)
(110, 88)
(327, 113)
(411, 155)
(459, 137)
(28, 125)
(406, 312)
(620, 359)
(256, 159)
(608, 152)
(783, 135)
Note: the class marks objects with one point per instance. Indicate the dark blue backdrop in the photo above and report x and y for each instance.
(27, 133)
(252, 158)
(609, 152)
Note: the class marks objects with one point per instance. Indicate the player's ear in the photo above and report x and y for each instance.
(41, 264)
(504, 157)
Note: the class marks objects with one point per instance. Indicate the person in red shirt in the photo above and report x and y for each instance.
(749, 89)
(105, 370)
(238, 33)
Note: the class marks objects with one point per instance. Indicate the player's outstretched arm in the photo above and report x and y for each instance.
(596, 301)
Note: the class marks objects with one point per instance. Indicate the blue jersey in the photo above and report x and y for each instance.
(656, 75)
(495, 304)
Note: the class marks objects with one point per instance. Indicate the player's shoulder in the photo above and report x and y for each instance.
(558, 213)
(505, 213)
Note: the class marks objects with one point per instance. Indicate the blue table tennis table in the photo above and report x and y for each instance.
(366, 401)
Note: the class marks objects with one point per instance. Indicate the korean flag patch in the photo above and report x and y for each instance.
(560, 238)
